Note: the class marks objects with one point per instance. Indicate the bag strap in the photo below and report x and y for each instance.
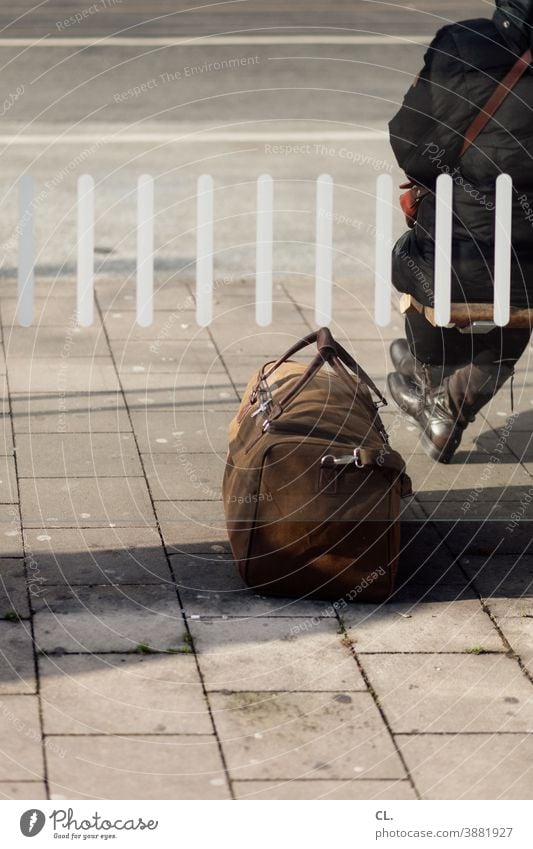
(328, 347)
(496, 99)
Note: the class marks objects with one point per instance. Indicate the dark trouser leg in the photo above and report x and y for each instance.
(443, 346)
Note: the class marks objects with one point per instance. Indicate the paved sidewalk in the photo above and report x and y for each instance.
(135, 665)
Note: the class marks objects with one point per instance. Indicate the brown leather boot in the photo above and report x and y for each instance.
(429, 408)
(404, 362)
(443, 412)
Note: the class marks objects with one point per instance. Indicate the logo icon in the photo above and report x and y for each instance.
(32, 822)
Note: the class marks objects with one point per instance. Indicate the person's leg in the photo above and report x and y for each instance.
(453, 376)
(441, 349)
(494, 358)
(448, 347)
(436, 346)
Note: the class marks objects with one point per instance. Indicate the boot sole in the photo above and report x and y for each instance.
(443, 456)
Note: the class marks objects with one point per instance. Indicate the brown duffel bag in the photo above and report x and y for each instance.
(311, 487)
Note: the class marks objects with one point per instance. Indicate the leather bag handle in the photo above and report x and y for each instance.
(329, 351)
(328, 347)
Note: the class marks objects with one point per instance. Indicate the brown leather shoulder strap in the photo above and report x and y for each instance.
(496, 99)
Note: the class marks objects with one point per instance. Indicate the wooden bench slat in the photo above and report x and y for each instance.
(462, 315)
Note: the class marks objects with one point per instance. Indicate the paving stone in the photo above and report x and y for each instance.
(47, 286)
(274, 654)
(434, 481)
(427, 571)
(72, 374)
(184, 477)
(172, 392)
(85, 502)
(451, 693)
(345, 296)
(214, 588)
(73, 455)
(500, 575)
(174, 356)
(241, 312)
(317, 789)
(96, 556)
(10, 533)
(13, 587)
(503, 608)
(194, 527)
(518, 631)
(143, 767)
(122, 694)
(470, 766)
(482, 537)
(358, 325)
(8, 481)
(22, 790)
(75, 412)
(172, 294)
(20, 733)
(263, 343)
(304, 735)
(6, 432)
(108, 619)
(17, 667)
(51, 308)
(425, 627)
(163, 433)
(121, 324)
(473, 509)
(48, 341)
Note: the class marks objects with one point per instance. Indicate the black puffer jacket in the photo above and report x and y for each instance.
(463, 66)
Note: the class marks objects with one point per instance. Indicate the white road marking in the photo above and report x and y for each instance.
(195, 137)
(85, 275)
(383, 254)
(206, 40)
(145, 250)
(26, 275)
(264, 236)
(204, 250)
(502, 249)
(323, 249)
(443, 249)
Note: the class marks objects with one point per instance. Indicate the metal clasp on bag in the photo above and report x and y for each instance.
(345, 460)
(263, 407)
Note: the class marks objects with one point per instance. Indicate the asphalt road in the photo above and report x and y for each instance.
(294, 89)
